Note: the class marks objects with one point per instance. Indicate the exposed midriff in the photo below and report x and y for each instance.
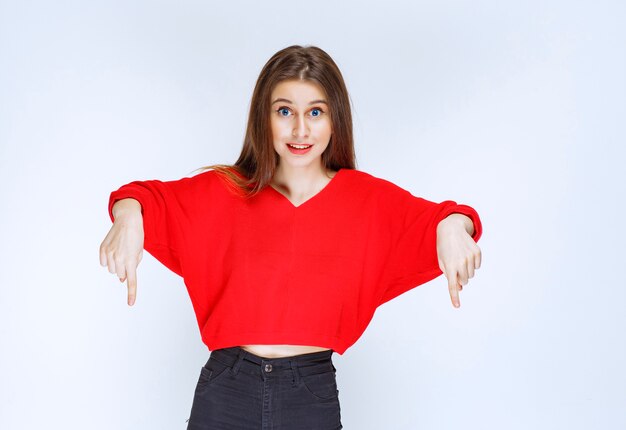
(275, 351)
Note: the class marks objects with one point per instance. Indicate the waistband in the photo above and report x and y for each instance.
(305, 364)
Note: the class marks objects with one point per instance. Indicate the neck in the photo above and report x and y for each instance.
(300, 181)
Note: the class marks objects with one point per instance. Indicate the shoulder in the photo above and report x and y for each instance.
(223, 182)
(373, 184)
(199, 184)
(208, 176)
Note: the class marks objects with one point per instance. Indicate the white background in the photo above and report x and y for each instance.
(515, 108)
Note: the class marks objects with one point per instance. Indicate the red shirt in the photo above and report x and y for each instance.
(263, 271)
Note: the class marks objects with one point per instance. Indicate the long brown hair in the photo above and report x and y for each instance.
(258, 160)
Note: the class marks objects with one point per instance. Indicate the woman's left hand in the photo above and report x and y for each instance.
(457, 253)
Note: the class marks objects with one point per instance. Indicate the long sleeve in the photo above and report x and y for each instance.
(413, 259)
(165, 210)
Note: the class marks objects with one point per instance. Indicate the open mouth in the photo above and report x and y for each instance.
(298, 149)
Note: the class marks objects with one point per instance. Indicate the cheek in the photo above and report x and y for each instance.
(278, 129)
(274, 130)
(325, 129)
(321, 125)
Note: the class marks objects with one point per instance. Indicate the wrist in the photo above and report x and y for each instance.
(456, 221)
(127, 208)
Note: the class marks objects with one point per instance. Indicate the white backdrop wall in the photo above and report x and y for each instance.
(515, 108)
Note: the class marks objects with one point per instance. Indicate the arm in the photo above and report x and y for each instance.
(146, 215)
(415, 236)
(164, 207)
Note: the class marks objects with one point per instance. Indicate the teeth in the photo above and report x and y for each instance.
(299, 146)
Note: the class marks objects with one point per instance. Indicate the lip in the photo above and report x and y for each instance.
(299, 151)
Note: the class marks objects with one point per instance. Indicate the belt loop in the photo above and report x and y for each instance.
(240, 357)
(295, 373)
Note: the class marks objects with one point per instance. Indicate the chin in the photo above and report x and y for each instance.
(301, 162)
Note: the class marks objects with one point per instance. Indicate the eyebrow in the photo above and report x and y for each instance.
(289, 101)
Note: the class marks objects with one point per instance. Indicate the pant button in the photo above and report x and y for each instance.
(268, 367)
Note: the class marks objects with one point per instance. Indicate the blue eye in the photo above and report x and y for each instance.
(285, 112)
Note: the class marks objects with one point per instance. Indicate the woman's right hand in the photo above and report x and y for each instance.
(122, 248)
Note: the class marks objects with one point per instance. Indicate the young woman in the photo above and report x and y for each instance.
(287, 253)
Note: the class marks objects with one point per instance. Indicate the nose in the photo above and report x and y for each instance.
(301, 128)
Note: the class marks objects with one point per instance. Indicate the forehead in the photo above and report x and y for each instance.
(298, 91)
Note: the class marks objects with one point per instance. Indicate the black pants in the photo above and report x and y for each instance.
(238, 390)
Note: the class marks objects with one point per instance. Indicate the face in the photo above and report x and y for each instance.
(300, 121)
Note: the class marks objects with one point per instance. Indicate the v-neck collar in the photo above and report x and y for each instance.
(315, 196)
